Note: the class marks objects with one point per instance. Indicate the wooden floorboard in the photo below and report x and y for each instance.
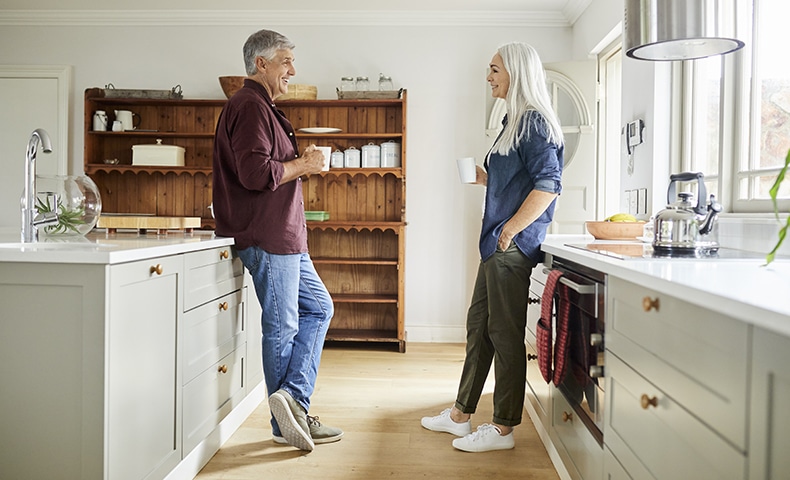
(378, 397)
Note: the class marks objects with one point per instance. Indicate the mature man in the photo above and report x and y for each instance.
(258, 201)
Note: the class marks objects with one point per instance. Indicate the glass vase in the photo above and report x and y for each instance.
(75, 199)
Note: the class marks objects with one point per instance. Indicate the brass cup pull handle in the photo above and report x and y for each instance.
(157, 269)
(224, 254)
(648, 402)
(567, 417)
(531, 356)
(223, 306)
(223, 369)
(650, 304)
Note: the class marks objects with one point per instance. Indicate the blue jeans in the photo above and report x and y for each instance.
(297, 310)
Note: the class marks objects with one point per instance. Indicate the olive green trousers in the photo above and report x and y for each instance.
(495, 329)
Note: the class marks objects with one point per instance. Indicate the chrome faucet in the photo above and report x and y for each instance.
(30, 220)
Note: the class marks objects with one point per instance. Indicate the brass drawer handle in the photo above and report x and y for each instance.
(531, 356)
(223, 306)
(648, 402)
(224, 254)
(223, 369)
(567, 417)
(650, 304)
(156, 269)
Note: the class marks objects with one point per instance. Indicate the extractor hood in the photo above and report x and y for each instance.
(661, 30)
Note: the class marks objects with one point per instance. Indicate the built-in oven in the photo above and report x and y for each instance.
(583, 383)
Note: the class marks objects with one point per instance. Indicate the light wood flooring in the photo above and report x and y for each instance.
(378, 397)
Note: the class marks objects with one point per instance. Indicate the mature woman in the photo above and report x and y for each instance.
(522, 175)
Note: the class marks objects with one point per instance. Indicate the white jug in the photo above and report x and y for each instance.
(127, 119)
(100, 121)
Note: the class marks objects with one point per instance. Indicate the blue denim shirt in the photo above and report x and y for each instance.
(535, 164)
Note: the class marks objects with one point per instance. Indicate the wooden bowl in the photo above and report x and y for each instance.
(231, 84)
(615, 230)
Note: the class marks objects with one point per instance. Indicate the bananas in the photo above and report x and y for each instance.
(620, 217)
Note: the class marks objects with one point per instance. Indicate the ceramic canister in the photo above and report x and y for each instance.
(371, 156)
(337, 159)
(351, 158)
(390, 155)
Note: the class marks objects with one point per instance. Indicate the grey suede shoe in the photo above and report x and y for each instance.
(291, 419)
(318, 431)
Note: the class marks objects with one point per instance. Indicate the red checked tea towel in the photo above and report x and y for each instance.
(552, 361)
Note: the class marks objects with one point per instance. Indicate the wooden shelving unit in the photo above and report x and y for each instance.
(359, 252)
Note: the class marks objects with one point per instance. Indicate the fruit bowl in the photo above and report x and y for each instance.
(615, 230)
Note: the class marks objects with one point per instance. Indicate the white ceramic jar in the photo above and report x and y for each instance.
(337, 159)
(351, 158)
(371, 156)
(390, 154)
(100, 121)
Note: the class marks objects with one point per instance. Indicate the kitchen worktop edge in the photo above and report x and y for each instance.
(743, 289)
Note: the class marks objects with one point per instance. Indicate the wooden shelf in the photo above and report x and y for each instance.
(358, 298)
(100, 167)
(354, 261)
(348, 335)
(355, 225)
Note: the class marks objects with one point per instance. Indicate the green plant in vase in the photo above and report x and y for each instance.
(68, 219)
(774, 192)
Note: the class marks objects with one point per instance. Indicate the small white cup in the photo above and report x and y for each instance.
(117, 126)
(327, 151)
(467, 170)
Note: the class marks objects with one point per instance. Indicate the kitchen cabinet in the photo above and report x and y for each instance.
(110, 373)
(677, 388)
(215, 340)
(770, 418)
(142, 368)
(153, 190)
(359, 251)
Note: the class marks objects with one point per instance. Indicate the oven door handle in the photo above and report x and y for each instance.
(580, 289)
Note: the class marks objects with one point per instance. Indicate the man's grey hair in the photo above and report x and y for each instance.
(264, 43)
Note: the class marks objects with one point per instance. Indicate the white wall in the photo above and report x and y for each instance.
(443, 69)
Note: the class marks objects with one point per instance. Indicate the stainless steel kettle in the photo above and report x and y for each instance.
(682, 228)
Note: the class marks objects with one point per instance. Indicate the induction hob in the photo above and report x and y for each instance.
(644, 251)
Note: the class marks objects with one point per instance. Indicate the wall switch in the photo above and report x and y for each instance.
(631, 198)
(641, 202)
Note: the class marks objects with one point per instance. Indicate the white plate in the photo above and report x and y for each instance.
(320, 130)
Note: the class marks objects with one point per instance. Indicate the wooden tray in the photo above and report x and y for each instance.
(142, 223)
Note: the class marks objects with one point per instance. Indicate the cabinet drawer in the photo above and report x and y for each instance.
(699, 358)
(664, 438)
(211, 396)
(584, 453)
(538, 391)
(210, 274)
(211, 331)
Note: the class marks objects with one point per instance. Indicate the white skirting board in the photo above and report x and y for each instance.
(544, 437)
(191, 465)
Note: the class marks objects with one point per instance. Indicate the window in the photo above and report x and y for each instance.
(736, 112)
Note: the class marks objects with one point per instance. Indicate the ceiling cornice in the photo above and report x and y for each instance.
(292, 17)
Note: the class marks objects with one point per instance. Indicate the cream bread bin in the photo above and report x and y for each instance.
(158, 155)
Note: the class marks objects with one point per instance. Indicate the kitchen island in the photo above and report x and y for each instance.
(695, 371)
(126, 356)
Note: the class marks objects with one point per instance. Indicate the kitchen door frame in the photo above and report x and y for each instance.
(26, 94)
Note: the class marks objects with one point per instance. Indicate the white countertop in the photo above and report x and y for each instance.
(743, 289)
(99, 247)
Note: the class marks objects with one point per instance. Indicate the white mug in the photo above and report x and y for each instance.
(327, 151)
(117, 126)
(467, 170)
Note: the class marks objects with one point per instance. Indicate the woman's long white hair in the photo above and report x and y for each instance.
(527, 91)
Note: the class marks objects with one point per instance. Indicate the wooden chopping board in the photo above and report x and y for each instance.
(148, 222)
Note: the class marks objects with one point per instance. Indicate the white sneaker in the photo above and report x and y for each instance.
(487, 437)
(443, 423)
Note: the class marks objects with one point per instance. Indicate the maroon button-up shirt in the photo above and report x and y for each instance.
(251, 204)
